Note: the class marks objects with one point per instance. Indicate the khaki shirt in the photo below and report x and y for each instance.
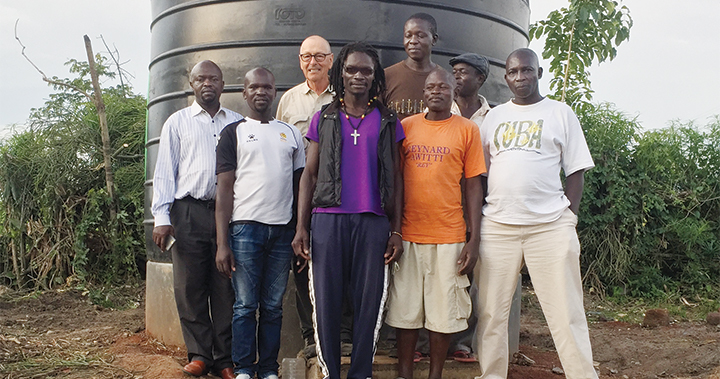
(298, 105)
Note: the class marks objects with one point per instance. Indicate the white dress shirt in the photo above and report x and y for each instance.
(185, 163)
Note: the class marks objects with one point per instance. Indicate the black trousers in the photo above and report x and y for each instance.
(204, 297)
(347, 257)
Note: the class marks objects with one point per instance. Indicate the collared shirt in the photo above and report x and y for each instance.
(185, 163)
(479, 116)
(298, 105)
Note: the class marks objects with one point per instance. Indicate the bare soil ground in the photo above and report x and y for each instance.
(62, 334)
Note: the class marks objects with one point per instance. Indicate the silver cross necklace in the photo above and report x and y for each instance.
(355, 133)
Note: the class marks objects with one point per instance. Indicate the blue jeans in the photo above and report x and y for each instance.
(262, 264)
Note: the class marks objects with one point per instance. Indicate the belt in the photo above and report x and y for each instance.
(209, 204)
(249, 222)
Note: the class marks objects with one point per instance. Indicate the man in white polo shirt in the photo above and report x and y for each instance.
(259, 162)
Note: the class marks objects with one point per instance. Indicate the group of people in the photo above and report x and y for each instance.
(408, 202)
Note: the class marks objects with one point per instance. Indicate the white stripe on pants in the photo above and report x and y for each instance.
(551, 252)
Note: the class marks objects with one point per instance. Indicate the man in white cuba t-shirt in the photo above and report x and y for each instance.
(529, 218)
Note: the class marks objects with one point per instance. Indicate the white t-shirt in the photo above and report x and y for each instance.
(264, 158)
(525, 147)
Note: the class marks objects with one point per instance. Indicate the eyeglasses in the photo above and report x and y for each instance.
(319, 57)
(364, 71)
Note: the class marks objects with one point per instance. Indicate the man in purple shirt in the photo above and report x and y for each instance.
(352, 187)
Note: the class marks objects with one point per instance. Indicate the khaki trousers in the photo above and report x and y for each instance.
(551, 253)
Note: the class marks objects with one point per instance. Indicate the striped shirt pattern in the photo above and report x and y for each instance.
(185, 163)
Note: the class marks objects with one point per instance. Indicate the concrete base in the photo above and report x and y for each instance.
(291, 340)
(161, 317)
(162, 322)
(385, 367)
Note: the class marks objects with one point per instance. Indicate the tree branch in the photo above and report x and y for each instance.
(567, 67)
(44, 77)
(135, 156)
(117, 64)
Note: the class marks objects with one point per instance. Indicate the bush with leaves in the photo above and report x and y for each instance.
(57, 223)
(650, 215)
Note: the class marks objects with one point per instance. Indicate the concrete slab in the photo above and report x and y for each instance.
(385, 367)
(291, 340)
(163, 323)
(161, 317)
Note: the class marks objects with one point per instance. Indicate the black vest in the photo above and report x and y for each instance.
(329, 180)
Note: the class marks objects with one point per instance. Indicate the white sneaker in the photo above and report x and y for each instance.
(242, 376)
(271, 376)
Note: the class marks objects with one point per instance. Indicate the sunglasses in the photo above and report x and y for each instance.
(364, 71)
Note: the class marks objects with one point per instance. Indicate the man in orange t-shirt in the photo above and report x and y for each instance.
(430, 282)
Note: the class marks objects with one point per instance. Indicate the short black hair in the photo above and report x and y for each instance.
(447, 74)
(525, 51)
(336, 78)
(425, 17)
(260, 68)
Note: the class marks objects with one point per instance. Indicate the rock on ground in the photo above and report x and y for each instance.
(656, 317)
(713, 318)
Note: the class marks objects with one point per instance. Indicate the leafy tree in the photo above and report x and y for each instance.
(57, 223)
(575, 36)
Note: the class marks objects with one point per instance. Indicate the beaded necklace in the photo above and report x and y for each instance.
(355, 133)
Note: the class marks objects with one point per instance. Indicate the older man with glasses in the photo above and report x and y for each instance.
(300, 103)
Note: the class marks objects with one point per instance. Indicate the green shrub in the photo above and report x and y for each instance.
(651, 207)
(57, 223)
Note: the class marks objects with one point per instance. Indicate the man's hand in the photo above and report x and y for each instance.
(301, 247)
(225, 260)
(159, 234)
(394, 249)
(468, 257)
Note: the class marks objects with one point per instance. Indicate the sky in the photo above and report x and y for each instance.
(655, 76)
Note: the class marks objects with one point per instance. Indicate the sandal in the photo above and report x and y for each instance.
(417, 357)
(464, 356)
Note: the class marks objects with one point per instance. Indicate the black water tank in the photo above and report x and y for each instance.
(239, 35)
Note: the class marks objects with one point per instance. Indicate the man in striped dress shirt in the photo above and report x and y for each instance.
(184, 206)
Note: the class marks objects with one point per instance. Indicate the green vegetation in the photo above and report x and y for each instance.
(650, 216)
(575, 36)
(649, 219)
(57, 224)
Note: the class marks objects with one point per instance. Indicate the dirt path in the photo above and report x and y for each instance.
(62, 334)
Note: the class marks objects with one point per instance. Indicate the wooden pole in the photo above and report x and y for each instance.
(102, 117)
